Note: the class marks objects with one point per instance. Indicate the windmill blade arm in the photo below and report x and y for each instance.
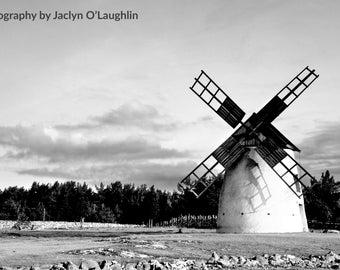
(287, 95)
(202, 177)
(297, 85)
(286, 167)
(207, 90)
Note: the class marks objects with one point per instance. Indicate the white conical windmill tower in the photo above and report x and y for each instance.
(261, 191)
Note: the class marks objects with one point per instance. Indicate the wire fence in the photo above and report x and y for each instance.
(319, 225)
(210, 222)
(190, 221)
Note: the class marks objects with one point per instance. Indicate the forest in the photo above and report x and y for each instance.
(130, 204)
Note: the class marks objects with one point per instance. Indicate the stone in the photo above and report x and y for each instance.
(68, 265)
(297, 262)
(166, 265)
(156, 265)
(241, 260)
(89, 265)
(309, 264)
(130, 266)
(233, 260)
(262, 260)
(214, 258)
(199, 265)
(110, 265)
(113, 265)
(104, 265)
(275, 260)
(224, 262)
(330, 257)
(251, 263)
(179, 264)
(143, 265)
(58, 266)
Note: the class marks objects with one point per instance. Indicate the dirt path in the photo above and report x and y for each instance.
(29, 251)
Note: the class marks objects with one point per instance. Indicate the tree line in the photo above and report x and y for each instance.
(130, 204)
(115, 202)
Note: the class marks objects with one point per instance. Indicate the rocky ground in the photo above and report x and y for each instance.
(330, 260)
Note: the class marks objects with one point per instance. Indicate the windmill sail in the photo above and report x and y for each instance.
(285, 166)
(287, 95)
(202, 177)
(207, 90)
(205, 174)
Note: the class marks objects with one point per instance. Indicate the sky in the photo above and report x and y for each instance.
(104, 100)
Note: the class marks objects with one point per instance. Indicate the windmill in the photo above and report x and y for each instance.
(262, 190)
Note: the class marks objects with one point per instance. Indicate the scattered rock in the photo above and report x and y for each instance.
(200, 264)
(179, 264)
(155, 265)
(143, 265)
(113, 265)
(332, 257)
(241, 260)
(233, 260)
(130, 266)
(59, 266)
(70, 266)
(224, 262)
(89, 265)
(214, 258)
(251, 263)
(262, 260)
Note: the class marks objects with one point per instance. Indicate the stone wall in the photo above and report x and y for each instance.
(49, 225)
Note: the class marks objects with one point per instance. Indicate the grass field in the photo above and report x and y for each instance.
(18, 248)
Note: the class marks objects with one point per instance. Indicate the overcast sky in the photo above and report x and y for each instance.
(104, 100)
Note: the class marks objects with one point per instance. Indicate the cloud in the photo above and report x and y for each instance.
(165, 176)
(321, 150)
(128, 150)
(30, 142)
(46, 172)
(48, 153)
(140, 116)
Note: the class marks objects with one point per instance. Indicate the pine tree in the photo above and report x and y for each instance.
(323, 199)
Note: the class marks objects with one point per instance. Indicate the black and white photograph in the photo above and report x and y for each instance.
(169, 135)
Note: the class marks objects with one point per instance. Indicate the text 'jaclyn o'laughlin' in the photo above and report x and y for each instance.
(68, 16)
